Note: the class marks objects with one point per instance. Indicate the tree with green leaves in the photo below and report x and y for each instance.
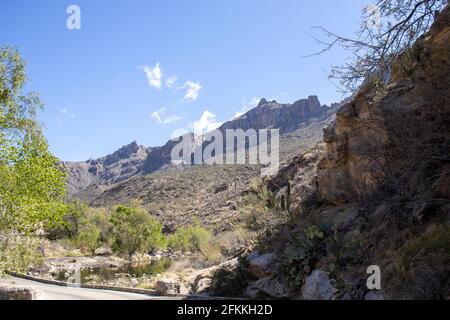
(135, 231)
(32, 187)
(191, 238)
(89, 236)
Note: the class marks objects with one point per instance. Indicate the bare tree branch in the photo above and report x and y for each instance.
(388, 29)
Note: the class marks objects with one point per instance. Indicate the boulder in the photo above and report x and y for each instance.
(202, 284)
(167, 287)
(11, 292)
(318, 287)
(140, 259)
(134, 282)
(201, 280)
(103, 251)
(268, 287)
(261, 266)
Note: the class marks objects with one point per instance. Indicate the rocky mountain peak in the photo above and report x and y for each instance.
(118, 166)
(284, 116)
(125, 152)
(262, 102)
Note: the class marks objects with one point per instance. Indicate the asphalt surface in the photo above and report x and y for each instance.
(54, 292)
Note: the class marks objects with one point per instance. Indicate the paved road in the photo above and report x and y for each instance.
(53, 292)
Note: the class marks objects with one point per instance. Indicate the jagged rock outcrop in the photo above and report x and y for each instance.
(354, 144)
(160, 157)
(113, 168)
(300, 173)
(272, 114)
(286, 117)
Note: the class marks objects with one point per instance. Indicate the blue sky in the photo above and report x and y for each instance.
(141, 69)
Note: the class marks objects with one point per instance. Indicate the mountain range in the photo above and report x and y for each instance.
(300, 123)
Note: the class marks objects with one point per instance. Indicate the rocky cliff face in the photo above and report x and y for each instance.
(370, 137)
(354, 144)
(271, 114)
(118, 166)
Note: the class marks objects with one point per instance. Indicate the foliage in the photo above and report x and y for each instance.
(303, 253)
(101, 218)
(424, 263)
(33, 185)
(78, 215)
(88, 236)
(261, 214)
(192, 238)
(134, 230)
(129, 230)
(18, 252)
(227, 283)
(71, 220)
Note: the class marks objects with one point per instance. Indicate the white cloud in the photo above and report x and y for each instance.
(192, 90)
(155, 79)
(161, 117)
(247, 106)
(154, 75)
(171, 81)
(64, 115)
(206, 123)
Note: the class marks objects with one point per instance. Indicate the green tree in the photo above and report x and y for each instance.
(71, 221)
(134, 230)
(32, 185)
(192, 238)
(89, 235)
(101, 217)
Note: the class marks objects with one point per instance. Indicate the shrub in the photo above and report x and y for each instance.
(303, 253)
(180, 240)
(89, 236)
(192, 238)
(227, 283)
(195, 239)
(134, 230)
(71, 221)
(18, 252)
(424, 263)
(101, 218)
(261, 213)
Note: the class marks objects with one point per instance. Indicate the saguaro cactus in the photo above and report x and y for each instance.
(288, 195)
